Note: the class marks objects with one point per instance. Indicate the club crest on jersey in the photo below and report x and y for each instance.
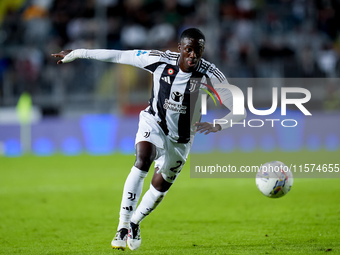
(193, 85)
(170, 71)
(176, 96)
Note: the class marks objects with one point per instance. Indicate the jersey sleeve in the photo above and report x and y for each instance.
(139, 58)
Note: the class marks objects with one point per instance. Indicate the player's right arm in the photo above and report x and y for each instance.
(138, 58)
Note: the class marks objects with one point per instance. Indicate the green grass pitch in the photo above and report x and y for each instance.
(70, 205)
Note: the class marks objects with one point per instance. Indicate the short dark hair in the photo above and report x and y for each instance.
(192, 33)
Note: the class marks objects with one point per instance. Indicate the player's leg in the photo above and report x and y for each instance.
(145, 154)
(170, 161)
(151, 199)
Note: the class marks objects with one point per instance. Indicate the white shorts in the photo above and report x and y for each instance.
(170, 156)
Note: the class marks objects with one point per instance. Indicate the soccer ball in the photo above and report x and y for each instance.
(274, 179)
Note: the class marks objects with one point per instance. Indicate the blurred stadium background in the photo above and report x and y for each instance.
(92, 106)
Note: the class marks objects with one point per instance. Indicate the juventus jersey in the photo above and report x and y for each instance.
(175, 99)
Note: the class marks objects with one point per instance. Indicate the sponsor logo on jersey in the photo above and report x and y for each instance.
(170, 71)
(174, 107)
(176, 96)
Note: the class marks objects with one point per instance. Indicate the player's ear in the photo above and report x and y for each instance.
(179, 47)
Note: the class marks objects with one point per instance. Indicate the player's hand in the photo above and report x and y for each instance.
(62, 55)
(206, 127)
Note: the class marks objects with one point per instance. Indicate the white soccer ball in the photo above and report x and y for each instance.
(274, 179)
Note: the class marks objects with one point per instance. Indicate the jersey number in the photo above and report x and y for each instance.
(175, 169)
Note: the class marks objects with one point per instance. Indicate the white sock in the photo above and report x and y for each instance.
(132, 190)
(150, 201)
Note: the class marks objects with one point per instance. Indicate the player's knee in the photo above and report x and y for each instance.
(159, 183)
(145, 155)
(143, 162)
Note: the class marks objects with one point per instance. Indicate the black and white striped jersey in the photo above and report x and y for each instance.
(175, 99)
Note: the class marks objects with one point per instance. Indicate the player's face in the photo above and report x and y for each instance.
(191, 51)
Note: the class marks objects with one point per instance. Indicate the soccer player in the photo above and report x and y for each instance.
(167, 126)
